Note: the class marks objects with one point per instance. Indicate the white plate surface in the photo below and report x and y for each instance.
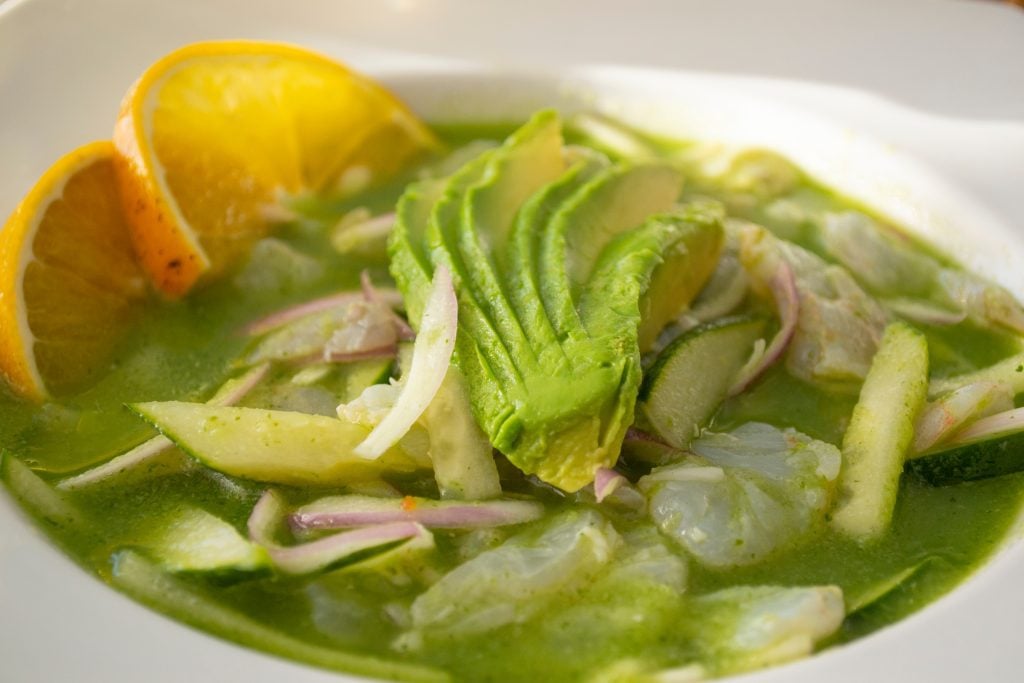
(917, 107)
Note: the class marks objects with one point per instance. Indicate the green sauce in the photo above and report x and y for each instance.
(185, 350)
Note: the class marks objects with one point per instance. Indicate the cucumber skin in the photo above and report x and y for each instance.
(669, 429)
(258, 449)
(665, 357)
(971, 462)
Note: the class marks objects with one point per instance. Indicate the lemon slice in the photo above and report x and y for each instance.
(213, 135)
(68, 276)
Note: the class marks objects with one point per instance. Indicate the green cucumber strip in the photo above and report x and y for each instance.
(971, 461)
(462, 456)
(156, 457)
(193, 540)
(880, 433)
(274, 446)
(692, 376)
(855, 602)
(144, 581)
(359, 376)
(43, 501)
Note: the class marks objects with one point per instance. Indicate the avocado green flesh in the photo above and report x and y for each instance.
(522, 274)
(183, 351)
(616, 200)
(559, 405)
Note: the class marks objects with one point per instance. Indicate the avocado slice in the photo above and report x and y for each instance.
(616, 200)
(687, 265)
(480, 352)
(521, 258)
(530, 159)
(556, 256)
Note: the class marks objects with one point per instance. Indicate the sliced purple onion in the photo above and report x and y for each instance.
(144, 452)
(325, 552)
(606, 480)
(234, 390)
(925, 312)
(338, 512)
(787, 301)
(942, 418)
(991, 427)
(388, 351)
(634, 434)
(230, 393)
(431, 355)
(278, 318)
(368, 328)
(373, 296)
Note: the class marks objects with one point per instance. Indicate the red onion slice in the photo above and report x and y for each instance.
(389, 351)
(278, 318)
(606, 480)
(373, 296)
(338, 512)
(634, 434)
(325, 552)
(368, 328)
(924, 312)
(232, 391)
(432, 352)
(787, 301)
(991, 427)
(942, 418)
(144, 452)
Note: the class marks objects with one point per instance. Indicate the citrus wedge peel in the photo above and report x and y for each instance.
(68, 276)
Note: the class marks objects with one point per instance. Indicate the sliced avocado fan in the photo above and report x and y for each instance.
(566, 266)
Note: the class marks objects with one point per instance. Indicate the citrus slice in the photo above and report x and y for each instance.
(68, 276)
(213, 135)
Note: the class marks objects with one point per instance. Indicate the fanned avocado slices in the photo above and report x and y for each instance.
(563, 263)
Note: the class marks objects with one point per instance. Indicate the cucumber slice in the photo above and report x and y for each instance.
(691, 377)
(193, 540)
(880, 433)
(45, 503)
(147, 583)
(363, 374)
(971, 461)
(273, 445)
(857, 601)
(462, 456)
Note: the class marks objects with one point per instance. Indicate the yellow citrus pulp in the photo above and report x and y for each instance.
(68, 276)
(213, 135)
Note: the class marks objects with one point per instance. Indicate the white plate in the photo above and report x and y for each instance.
(932, 132)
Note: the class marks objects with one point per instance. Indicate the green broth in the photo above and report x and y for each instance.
(185, 350)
